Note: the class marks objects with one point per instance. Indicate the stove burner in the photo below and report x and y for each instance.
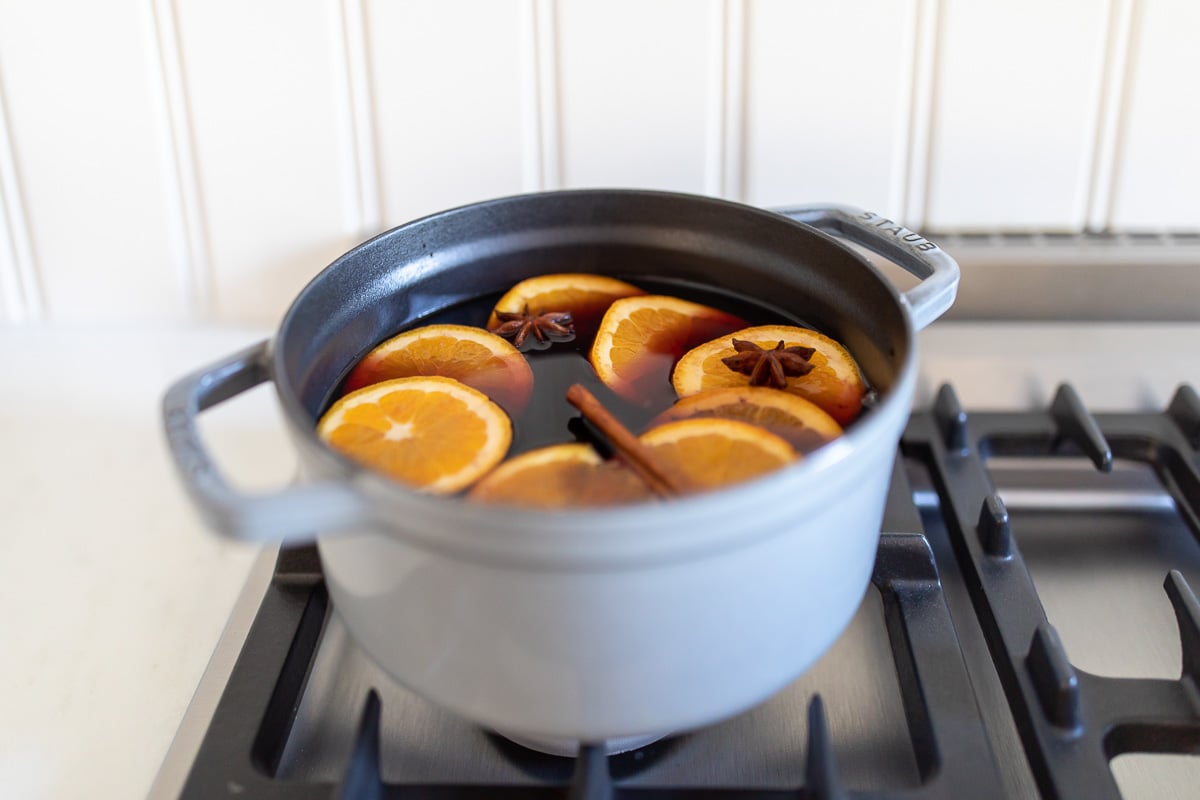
(549, 768)
(975, 657)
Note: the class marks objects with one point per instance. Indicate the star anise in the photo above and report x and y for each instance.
(546, 327)
(769, 367)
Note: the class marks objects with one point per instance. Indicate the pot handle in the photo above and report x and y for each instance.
(292, 515)
(929, 299)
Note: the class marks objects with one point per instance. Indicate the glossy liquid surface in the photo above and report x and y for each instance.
(549, 419)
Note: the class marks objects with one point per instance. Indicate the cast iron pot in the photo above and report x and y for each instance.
(594, 625)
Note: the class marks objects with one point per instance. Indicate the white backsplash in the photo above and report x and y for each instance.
(203, 159)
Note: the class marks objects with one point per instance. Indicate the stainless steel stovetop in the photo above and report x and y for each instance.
(938, 687)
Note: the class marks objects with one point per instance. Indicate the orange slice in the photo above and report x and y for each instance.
(801, 422)
(561, 476)
(586, 296)
(431, 433)
(640, 338)
(717, 452)
(710, 452)
(834, 383)
(473, 356)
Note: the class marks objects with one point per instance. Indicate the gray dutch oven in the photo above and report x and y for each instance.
(614, 624)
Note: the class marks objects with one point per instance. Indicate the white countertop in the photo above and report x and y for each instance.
(114, 595)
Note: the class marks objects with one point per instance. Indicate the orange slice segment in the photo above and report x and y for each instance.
(586, 296)
(718, 452)
(561, 476)
(431, 433)
(472, 356)
(801, 422)
(834, 383)
(640, 338)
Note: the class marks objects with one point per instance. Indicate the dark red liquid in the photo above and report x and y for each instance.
(549, 419)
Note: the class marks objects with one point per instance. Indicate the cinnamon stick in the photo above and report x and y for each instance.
(662, 478)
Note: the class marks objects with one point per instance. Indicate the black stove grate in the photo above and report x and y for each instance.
(1070, 723)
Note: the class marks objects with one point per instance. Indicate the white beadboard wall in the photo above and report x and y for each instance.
(203, 159)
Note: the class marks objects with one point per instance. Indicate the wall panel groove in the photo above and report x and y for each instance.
(531, 109)
(910, 156)
(189, 232)
(734, 157)
(356, 110)
(714, 135)
(1106, 213)
(726, 74)
(549, 119)
(927, 50)
(1110, 105)
(22, 296)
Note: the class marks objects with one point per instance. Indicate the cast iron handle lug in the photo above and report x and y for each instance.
(292, 515)
(938, 272)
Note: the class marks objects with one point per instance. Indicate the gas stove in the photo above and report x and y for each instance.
(1032, 630)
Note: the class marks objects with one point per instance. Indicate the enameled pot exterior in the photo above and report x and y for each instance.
(597, 654)
(601, 624)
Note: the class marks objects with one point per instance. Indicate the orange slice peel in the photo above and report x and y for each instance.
(641, 337)
(584, 295)
(834, 383)
(560, 477)
(470, 355)
(431, 433)
(719, 452)
(804, 424)
(710, 452)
